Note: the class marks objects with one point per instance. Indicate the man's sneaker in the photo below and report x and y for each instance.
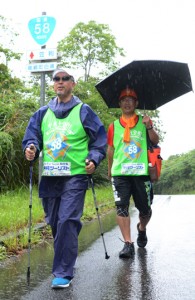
(60, 283)
(142, 238)
(127, 251)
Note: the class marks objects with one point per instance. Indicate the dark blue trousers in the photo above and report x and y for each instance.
(63, 213)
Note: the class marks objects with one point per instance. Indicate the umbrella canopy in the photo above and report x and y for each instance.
(155, 82)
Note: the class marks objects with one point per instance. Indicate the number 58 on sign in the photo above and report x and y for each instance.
(41, 28)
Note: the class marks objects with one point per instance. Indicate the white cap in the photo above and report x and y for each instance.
(61, 70)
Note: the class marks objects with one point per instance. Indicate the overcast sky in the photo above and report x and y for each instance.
(154, 29)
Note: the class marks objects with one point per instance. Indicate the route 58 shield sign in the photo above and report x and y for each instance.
(41, 28)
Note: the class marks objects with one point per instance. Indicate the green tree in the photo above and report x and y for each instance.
(8, 36)
(178, 174)
(17, 104)
(15, 110)
(90, 46)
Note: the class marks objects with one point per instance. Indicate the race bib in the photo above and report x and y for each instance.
(56, 169)
(133, 169)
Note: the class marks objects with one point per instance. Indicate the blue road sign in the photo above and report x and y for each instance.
(41, 28)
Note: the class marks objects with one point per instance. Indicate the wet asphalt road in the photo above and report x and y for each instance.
(164, 270)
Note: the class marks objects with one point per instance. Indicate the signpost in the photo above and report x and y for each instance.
(42, 67)
(45, 60)
(42, 54)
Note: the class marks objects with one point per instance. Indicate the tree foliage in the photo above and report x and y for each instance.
(15, 110)
(8, 36)
(178, 174)
(90, 46)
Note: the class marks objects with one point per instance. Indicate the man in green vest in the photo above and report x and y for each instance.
(72, 140)
(128, 168)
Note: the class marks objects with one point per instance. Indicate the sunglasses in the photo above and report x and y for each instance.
(128, 100)
(64, 78)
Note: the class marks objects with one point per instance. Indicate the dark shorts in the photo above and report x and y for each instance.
(140, 187)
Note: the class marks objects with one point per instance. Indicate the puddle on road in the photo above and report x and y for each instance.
(13, 275)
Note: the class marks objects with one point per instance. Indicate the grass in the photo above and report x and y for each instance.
(14, 216)
(104, 202)
(14, 210)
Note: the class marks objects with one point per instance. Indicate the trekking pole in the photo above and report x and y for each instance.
(96, 207)
(29, 224)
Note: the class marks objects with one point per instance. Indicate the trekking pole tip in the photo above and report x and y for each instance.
(107, 256)
(28, 275)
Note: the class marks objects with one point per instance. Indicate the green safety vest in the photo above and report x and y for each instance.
(131, 158)
(65, 144)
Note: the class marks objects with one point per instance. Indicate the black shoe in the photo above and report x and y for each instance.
(127, 251)
(142, 238)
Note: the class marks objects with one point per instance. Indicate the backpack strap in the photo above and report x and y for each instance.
(149, 143)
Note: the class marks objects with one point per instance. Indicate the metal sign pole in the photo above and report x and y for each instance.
(45, 60)
(42, 103)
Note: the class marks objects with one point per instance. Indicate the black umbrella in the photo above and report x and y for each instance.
(155, 82)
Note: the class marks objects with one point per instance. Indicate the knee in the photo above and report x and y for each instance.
(122, 210)
(146, 215)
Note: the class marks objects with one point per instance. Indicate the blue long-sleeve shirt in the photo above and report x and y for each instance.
(54, 186)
